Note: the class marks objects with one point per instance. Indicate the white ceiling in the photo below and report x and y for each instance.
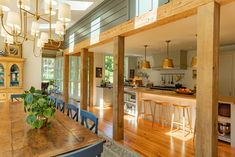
(75, 15)
(181, 33)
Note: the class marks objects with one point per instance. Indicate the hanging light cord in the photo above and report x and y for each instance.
(145, 51)
(167, 42)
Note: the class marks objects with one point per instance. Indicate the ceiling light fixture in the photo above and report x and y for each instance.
(167, 62)
(145, 63)
(15, 29)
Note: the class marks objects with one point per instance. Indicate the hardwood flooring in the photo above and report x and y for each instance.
(152, 142)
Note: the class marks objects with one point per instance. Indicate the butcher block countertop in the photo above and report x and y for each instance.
(174, 94)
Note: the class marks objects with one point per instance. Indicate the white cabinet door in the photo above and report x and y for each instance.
(225, 74)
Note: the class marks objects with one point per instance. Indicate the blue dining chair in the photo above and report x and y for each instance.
(94, 150)
(72, 111)
(53, 100)
(60, 105)
(85, 115)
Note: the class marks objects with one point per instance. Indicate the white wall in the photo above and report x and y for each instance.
(32, 67)
(98, 62)
(187, 80)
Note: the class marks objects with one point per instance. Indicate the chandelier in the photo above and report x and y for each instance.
(14, 29)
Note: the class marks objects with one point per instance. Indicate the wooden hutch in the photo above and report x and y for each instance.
(11, 77)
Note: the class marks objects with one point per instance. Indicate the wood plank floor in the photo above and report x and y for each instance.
(152, 142)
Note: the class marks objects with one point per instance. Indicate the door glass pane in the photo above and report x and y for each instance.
(1, 75)
(14, 76)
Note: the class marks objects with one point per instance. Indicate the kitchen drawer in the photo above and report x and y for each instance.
(3, 96)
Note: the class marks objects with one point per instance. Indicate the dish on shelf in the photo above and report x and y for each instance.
(186, 91)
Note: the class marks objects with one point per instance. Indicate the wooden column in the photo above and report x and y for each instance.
(66, 79)
(84, 79)
(208, 22)
(91, 78)
(118, 88)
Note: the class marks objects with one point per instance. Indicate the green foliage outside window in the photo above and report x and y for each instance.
(109, 69)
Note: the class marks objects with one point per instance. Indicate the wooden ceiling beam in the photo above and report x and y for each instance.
(170, 12)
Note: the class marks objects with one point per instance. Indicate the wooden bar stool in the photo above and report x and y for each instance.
(181, 109)
(163, 112)
(147, 104)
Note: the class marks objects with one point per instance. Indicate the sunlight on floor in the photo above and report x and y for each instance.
(180, 135)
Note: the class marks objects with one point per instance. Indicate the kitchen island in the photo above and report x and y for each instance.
(165, 96)
(172, 97)
(104, 96)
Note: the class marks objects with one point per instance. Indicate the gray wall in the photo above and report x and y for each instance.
(110, 12)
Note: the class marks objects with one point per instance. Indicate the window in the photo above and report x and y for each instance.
(71, 43)
(74, 77)
(109, 69)
(95, 31)
(144, 6)
(59, 73)
(48, 67)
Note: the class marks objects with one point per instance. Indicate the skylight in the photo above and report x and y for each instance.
(78, 5)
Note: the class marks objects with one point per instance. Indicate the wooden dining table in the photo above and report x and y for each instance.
(17, 139)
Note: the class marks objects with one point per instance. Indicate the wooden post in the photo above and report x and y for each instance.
(118, 88)
(91, 78)
(84, 79)
(66, 80)
(208, 22)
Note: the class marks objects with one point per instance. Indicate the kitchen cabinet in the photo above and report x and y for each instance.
(11, 77)
(227, 73)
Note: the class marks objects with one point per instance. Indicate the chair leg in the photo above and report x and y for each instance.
(189, 119)
(184, 122)
(168, 115)
(154, 110)
(172, 120)
(179, 114)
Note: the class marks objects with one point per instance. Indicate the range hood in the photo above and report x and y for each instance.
(180, 60)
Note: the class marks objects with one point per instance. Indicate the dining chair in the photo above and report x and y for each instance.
(53, 100)
(72, 111)
(90, 151)
(60, 105)
(85, 115)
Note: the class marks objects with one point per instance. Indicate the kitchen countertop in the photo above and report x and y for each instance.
(174, 94)
(160, 92)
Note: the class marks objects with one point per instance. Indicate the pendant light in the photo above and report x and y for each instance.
(167, 62)
(145, 63)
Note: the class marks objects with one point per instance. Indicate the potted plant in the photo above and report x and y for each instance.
(38, 107)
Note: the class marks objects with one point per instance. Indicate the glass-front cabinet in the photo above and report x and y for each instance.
(2, 76)
(14, 76)
(11, 77)
(15, 72)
